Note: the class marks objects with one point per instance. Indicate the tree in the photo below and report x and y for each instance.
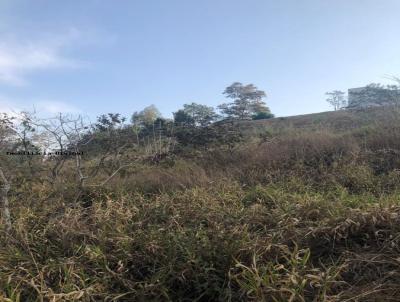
(182, 118)
(337, 99)
(247, 101)
(69, 138)
(146, 117)
(201, 115)
(109, 122)
(224, 133)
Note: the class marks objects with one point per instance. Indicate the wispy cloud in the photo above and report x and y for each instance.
(18, 58)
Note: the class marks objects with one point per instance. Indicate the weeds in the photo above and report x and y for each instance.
(302, 215)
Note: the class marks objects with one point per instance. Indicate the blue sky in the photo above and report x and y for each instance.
(99, 56)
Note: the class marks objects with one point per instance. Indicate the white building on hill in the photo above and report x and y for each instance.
(372, 96)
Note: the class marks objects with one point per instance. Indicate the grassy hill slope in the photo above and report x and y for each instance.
(304, 208)
(339, 121)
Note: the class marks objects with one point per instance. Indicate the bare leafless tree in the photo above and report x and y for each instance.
(62, 140)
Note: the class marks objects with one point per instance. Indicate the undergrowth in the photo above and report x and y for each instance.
(299, 215)
(218, 244)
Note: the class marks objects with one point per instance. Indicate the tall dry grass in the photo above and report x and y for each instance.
(306, 214)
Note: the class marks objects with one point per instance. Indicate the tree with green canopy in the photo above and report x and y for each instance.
(247, 101)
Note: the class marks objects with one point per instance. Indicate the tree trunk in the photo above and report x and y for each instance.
(5, 187)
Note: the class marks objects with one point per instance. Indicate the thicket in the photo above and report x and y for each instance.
(289, 214)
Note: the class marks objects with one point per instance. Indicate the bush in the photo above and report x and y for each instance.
(262, 116)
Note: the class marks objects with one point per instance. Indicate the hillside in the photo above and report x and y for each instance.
(340, 121)
(302, 208)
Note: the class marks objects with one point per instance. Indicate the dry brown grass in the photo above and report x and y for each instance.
(300, 215)
(222, 244)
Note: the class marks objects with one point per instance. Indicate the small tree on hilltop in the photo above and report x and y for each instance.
(202, 115)
(146, 117)
(247, 101)
(195, 115)
(337, 99)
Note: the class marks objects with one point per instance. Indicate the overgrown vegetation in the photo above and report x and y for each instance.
(295, 209)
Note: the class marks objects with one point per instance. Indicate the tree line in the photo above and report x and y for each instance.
(246, 102)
